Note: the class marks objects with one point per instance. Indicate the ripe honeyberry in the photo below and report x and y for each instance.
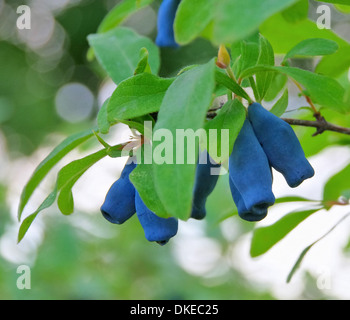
(156, 228)
(256, 213)
(165, 23)
(205, 182)
(280, 144)
(250, 173)
(119, 204)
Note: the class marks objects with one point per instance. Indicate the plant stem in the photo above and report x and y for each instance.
(230, 73)
(253, 86)
(320, 125)
(317, 114)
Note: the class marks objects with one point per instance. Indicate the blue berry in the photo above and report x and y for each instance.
(205, 182)
(251, 176)
(119, 204)
(280, 144)
(155, 228)
(165, 23)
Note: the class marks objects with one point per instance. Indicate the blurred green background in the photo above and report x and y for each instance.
(48, 90)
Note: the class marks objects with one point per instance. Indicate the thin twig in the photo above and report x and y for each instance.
(321, 125)
(309, 101)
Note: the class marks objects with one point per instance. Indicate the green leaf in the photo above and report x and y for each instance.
(143, 65)
(294, 199)
(236, 19)
(266, 57)
(48, 163)
(235, 51)
(248, 57)
(306, 250)
(288, 35)
(192, 17)
(65, 201)
(66, 178)
(120, 12)
(184, 107)
(26, 223)
(116, 16)
(134, 125)
(298, 262)
(223, 79)
(118, 52)
(333, 65)
(118, 151)
(70, 174)
(337, 186)
(297, 12)
(142, 178)
(278, 83)
(137, 96)
(281, 105)
(230, 118)
(254, 50)
(322, 90)
(265, 238)
(102, 121)
(312, 47)
(101, 141)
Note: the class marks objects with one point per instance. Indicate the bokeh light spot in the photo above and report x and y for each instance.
(74, 102)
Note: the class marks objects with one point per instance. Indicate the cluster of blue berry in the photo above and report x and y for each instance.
(123, 201)
(264, 142)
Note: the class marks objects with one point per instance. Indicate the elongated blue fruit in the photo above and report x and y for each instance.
(156, 228)
(205, 182)
(250, 173)
(119, 204)
(256, 213)
(281, 145)
(165, 23)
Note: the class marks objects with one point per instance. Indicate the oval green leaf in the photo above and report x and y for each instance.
(265, 238)
(48, 163)
(137, 96)
(183, 110)
(118, 52)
